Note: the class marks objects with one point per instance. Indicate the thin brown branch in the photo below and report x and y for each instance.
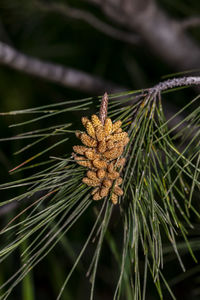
(92, 20)
(59, 74)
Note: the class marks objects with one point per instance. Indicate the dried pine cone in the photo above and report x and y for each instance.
(103, 145)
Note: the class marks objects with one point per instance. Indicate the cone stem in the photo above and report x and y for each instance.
(103, 108)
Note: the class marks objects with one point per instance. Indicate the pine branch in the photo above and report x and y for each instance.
(176, 82)
(160, 184)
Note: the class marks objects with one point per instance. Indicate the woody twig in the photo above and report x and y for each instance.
(104, 108)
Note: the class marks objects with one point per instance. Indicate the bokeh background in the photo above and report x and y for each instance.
(117, 45)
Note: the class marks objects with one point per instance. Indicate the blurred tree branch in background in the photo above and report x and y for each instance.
(89, 18)
(60, 74)
(163, 35)
(190, 22)
(144, 24)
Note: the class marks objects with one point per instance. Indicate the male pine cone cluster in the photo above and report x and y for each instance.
(103, 146)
